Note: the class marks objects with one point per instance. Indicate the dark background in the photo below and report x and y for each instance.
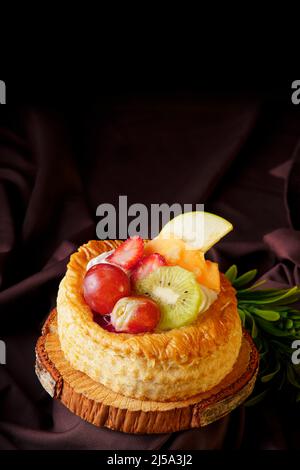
(68, 145)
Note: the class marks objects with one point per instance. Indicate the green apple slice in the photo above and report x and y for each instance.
(199, 230)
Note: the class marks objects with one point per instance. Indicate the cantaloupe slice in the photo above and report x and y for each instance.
(210, 277)
(172, 249)
(176, 254)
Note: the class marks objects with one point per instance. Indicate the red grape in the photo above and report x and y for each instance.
(135, 315)
(103, 285)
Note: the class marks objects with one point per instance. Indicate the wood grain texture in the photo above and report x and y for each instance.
(100, 406)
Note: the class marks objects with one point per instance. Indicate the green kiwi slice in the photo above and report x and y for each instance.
(177, 293)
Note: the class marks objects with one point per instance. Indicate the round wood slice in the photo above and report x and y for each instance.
(102, 407)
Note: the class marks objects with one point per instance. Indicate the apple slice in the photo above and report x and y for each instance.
(199, 230)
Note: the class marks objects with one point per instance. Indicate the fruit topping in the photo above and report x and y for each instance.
(175, 253)
(128, 254)
(102, 258)
(104, 322)
(177, 293)
(209, 297)
(103, 286)
(171, 249)
(147, 265)
(199, 230)
(135, 315)
(210, 276)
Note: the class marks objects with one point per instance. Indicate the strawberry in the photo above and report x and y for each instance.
(147, 265)
(128, 254)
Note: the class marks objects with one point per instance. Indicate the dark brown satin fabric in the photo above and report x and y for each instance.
(237, 156)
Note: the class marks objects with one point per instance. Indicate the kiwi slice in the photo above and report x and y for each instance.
(177, 293)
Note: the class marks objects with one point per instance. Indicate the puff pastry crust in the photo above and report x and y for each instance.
(164, 366)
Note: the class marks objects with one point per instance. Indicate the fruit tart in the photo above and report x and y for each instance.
(152, 320)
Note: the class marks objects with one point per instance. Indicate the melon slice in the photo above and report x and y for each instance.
(176, 254)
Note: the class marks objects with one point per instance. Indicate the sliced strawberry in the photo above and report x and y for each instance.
(147, 265)
(128, 254)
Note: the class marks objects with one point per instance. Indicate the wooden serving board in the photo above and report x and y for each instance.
(100, 406)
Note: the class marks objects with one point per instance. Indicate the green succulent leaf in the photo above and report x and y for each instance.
(274, 323)
(242, 315)
(271, 329)
(268, 377)
(231, 273)
(244, 278)
(269, 315)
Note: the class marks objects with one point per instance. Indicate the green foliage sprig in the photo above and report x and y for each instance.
(274, 324)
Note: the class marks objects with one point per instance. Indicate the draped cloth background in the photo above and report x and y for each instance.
(239, 156)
